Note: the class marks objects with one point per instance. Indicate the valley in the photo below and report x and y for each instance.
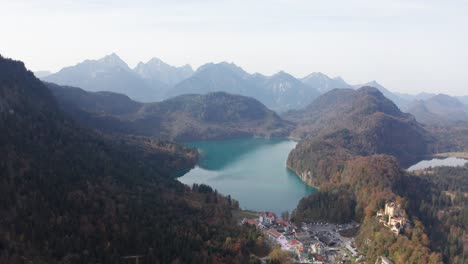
(233, 132)
(353, 146)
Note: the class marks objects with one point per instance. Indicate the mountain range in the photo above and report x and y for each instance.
(323, 83)
(279, 92)
(439, 109)
(157, 70)
(109, 74)
(155, 81)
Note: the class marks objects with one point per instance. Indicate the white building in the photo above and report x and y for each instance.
(267, 217)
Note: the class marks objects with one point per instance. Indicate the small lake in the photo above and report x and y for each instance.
(253, 171)
(452, 162)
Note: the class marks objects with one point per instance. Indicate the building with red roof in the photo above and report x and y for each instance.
(296, 245)
(273, 234)
(283, 223)
(251, 222)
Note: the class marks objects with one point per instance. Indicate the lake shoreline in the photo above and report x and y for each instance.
(253, 171)
(438, 161)
(301, 178)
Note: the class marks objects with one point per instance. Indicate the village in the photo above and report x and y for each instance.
(320, 242)
(316, 242)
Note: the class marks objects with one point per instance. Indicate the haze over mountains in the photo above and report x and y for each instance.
(279, 92)
(109, 74)
(439, 109)
(42, 74)
(323, 83)
(156, 69)
(156, 80)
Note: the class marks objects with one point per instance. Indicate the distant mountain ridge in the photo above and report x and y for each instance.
(156, 69)
(156, 80)
(439, 109)
(211, 77)
(279, 92)
(323, 83)
(110, 73)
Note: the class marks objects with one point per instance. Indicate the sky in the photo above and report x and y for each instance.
(409, 46)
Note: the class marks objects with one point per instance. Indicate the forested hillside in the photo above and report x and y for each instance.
(439, 199)
(346, 122)
(69, 195)
(356, 144)
(182, 118)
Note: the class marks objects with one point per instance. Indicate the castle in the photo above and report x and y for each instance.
(393, 217)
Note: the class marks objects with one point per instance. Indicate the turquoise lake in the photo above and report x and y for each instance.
(253, 171)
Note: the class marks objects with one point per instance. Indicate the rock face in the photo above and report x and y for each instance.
(183, 118)
(157, 70)
(345, 123)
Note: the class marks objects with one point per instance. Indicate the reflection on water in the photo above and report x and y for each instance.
(452, 162)
(218, 154)
(252, 171)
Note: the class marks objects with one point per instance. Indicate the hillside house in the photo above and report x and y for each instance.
(296, 246)
(275, 235)
(282, 223)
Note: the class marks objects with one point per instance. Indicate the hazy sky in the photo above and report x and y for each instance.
(407, 45)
